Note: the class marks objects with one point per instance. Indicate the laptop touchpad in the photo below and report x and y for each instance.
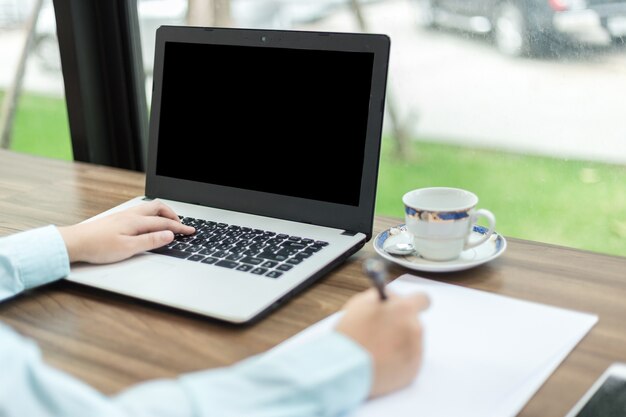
(123, 273)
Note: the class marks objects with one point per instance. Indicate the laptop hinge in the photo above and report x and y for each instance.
(349, 233)
(147, 199)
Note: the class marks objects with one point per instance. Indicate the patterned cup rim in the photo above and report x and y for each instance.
(471, 200)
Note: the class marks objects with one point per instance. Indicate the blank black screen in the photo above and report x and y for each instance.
(277, 120)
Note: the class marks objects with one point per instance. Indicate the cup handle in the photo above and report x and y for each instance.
(492, 226)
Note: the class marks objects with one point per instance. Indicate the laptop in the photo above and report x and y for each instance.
(268, 143)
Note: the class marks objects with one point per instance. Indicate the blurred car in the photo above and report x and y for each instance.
(530, 27)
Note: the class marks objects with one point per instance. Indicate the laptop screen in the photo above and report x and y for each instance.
(285, 121)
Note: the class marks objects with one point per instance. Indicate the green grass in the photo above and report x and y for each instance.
(41, 127)
(570, 203)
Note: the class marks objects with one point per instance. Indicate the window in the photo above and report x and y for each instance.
(34, 89)
(522, 102)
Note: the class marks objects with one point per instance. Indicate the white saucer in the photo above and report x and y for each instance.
(470, 258)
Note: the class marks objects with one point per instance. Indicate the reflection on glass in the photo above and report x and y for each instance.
(39, 124)
(522, 102)
(531, 28)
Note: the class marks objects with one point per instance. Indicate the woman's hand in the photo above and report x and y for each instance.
(124, 234)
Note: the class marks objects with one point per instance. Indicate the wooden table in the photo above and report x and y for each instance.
(111, 341)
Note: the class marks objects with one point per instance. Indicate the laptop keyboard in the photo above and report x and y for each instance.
(256, 251)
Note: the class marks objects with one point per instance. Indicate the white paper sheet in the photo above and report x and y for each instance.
(484, 354)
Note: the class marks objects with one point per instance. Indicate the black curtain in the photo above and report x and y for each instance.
(104, 81)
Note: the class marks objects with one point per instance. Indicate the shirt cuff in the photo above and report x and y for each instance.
(39, 256)
(327, 376)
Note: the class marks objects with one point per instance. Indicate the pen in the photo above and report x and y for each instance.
(376, 270)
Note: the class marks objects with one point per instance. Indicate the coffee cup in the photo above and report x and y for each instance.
(441, 220)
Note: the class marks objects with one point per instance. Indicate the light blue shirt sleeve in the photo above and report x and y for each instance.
(328, 376)
(30, 259)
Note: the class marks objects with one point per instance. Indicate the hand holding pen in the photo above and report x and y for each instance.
(388, 327)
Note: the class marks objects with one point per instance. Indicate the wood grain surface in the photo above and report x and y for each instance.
(111, 341)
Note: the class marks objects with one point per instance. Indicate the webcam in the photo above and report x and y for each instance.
(263, 38)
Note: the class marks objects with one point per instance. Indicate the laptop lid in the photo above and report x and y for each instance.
(283, 124)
